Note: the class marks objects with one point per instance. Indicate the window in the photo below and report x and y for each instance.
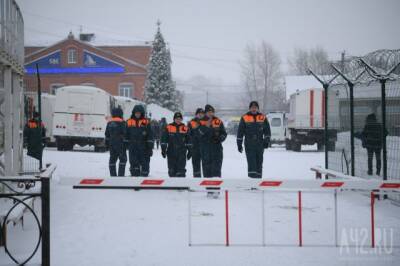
(55, 86)
(126, 90)
(72, 58)
(276, 122)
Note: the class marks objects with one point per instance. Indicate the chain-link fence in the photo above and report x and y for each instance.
(363, 116)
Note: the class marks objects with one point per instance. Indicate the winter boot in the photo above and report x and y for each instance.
(113, 170)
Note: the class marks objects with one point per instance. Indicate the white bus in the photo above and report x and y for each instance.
(80, 117)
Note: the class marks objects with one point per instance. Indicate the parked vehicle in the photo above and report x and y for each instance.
(305, 124)
(277, 122)
(126, 105)
(80, 117)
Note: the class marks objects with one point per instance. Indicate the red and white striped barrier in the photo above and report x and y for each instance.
(228, 184)
(200, 184)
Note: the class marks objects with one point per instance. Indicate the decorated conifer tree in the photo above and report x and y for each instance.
(159, 86)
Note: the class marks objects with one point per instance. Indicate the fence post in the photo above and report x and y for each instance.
(351, 86)
(45, 221)
(383, 100)
(325, 101)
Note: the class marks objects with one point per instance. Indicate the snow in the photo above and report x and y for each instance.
(124, 227)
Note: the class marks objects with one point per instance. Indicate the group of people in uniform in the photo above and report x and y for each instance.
(200, 140)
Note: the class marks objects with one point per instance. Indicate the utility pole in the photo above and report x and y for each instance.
(342, 66)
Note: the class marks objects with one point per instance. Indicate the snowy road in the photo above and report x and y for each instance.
(123, 227)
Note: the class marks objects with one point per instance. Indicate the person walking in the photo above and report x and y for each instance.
(140, 140)
(176, 146)
(115, 142)
(255, 129)
(211, 133)
(194, 136)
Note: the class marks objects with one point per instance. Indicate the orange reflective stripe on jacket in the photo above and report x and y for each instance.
(173, 129)
(34, 124)
(251, 118)
(216, 122)
(260, 118)
(183, 129)
(117, 119)
(194, 124)
(132, 122)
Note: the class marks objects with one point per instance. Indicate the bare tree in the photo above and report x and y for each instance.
(315, 58)
(250, 71)
(261, 74)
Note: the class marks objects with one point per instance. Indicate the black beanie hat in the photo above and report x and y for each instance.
(208, 108)
(199, 110)
(252, 103)
(178, 115)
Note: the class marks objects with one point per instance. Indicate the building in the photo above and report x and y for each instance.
(119, 70)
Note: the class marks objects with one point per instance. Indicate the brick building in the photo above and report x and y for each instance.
(119, 70)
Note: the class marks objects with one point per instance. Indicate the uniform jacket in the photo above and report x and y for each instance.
(176, 139)
(116, 133)
(254, 128)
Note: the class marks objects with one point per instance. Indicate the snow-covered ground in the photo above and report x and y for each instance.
(124, 227)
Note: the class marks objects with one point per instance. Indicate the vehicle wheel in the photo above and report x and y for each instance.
(60, 145)
(288, 144)
(320, 146)
(296, 146)
(69, 146)
(331, 146)
(99, 149)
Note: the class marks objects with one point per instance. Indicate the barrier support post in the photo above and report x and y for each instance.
(189, 217)
(300, 221)
(336, 219)
(263, 217)
(227, 218)
(372, 219)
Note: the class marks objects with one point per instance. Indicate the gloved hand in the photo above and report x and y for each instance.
(189, 155)
(266, 142)
(164, 154)
(240, 148)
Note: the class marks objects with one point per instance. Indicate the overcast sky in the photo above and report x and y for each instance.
(207, 37)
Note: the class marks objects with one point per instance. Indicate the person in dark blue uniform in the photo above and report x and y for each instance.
(115, 141)
(211, 133)
(140, 140)
(254, 128)
(176, 145)
(35, 136)
(194, 136)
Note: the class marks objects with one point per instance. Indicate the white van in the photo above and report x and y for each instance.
(80, 116)
(277, 122)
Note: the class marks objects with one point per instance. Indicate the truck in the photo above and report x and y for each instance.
(305, 124)
(80, 117)
(277, 123)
